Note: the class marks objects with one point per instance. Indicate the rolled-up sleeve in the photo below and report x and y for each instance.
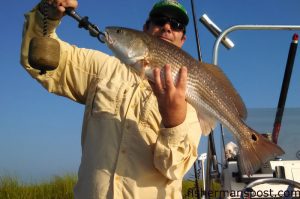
(176, 148)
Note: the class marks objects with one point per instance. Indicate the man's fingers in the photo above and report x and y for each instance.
(165, 83)
(159, 88)
(168, 78)
(182, 79)
(61, 5)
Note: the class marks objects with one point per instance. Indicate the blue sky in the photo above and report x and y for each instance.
(40, 132)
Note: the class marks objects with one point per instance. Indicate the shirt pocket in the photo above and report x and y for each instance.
(108, 97)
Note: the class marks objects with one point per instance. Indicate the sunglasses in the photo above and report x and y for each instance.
(161, 21)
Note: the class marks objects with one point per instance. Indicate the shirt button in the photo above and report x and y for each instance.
(142, 86)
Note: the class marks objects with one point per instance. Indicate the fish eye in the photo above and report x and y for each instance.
(119, 31)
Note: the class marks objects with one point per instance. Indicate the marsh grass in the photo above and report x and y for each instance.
(56, 188)
(60, 188)
(189, 190)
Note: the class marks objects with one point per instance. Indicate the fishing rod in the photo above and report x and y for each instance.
(196, 31)
(200, 59)
(285, 87)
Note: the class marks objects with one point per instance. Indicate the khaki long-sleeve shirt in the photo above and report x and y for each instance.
(126, 151)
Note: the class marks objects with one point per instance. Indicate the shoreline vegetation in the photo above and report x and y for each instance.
(59, 187)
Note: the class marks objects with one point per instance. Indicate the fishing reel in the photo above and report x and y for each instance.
(44, 51)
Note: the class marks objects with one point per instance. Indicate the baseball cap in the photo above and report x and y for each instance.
(170, 8)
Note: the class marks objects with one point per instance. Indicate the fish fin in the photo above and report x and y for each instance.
(235, 97)
(206, 121)
(256, 151)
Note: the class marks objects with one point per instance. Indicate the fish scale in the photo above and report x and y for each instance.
(163, 55)
(209, 91)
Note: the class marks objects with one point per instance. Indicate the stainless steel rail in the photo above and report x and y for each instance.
(247, 27)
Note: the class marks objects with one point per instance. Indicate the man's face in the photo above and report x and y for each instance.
(166, 32)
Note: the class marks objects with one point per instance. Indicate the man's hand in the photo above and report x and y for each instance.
(171, 98)
(56, 8)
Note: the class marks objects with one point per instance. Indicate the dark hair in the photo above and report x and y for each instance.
(147, 24)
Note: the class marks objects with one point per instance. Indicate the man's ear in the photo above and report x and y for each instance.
(183, 39)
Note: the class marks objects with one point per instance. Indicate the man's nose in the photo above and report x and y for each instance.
(166, 28)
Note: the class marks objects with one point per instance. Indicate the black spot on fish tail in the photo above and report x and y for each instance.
(254, 137)
(255, 152)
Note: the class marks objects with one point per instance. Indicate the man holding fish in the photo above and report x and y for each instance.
(145, 110)
(138, 139)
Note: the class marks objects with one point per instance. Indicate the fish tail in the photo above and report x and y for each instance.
(256, 151)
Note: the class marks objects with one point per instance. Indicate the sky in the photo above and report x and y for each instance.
(40, 132)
